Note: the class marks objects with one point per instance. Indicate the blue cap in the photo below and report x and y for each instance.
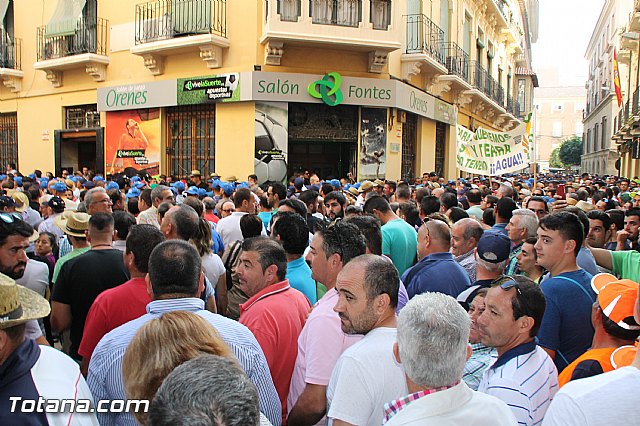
(179, 185)
(73, 178)
(215, 183)
(202, 192)
(494, 247)
(243, 185)
(18, 180)
(450, 182)
(89, 184)
(32, 176)
(97, 178)
(192, 190)
(227, 188)
(356, 185)
(135, 179)
(60, 187)
(133, 192)
(3, 177)
(138, 185)
(112, 185)
(335, 183)
(44, 183)
(209, 194)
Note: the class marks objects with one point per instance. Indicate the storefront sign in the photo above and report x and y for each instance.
(327, 89)
(491, 153)
(138, 95)
(209, 89)
(133, 141)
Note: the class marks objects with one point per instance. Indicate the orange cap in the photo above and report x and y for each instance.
(617, 298)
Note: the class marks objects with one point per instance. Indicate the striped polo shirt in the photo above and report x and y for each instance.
(526, 379)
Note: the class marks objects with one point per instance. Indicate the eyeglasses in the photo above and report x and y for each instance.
(228, 210)
(10, 217)
(509, 284)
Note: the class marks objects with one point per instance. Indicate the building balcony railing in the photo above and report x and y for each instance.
(356, 25)
(457, 61)
(166, 19)
(89, 37)
(513, 106)
(11, 72)
(483, 81)
(500, 8)
(423, 36)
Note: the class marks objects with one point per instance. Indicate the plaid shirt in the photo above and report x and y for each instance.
(392, 408)
(480, 359)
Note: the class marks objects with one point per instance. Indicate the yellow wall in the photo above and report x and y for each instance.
(426, 146)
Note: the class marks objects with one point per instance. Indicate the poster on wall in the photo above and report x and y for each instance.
(272, 138)
(373, 143)
(209, 89)
(133, 141)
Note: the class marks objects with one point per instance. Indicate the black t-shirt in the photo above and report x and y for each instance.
(81, 280)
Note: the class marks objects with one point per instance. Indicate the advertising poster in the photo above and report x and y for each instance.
(373, 143)
(489, 153)
(209, 89)
(133, 141)
(272, 139)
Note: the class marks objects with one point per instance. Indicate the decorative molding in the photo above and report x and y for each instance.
(499, 120)
(410, 69)
(273, 52)
(12, 82)
(211, 55)
(437, 86)
(154, 63)
(55, 77)
(377, 60)
(97, 71)
(462, 98)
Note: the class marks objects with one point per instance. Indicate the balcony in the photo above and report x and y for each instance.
(85, 47)
(457, 78)
(425, 51)
(513, 106)
(169, 27)
(366, 26)
(11, 72)
(499, 9)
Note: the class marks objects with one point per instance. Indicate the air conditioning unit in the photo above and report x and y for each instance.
(155, 29)
(191, 16)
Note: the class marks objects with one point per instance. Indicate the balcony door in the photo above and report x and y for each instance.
(414, 26)
(445, 19)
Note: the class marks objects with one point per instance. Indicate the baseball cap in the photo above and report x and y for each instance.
(57, 204)
(89, 184)
(192, 190)
(617, 299)
(112, 185)
(135, 179)
(179, 185)
(133, 192)
(494, 247)
(18, 180)
(138, 185)
(60, 187)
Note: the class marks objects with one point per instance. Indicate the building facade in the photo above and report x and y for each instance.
(627, 124)
(369, 87)
(559, 114)
(599, 153)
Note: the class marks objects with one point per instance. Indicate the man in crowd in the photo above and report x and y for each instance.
(523, 375)
(276, 193)
(435, 262)
(432, 347)
(96, 200)
(159, 194)
(83, 278)
(175, 282)
(229, 227)
(322, 340)
(522, 225)
(481, 356)
(121, 304)
(474, 198)
(335, 204)
(566, 331)
(399, 239)
(275, 313)
(539, 206)
(503, 212)
(56, 207)
(599, 229)
(366, 375)
(310, 198)
(631, 229)
(465, 235)
(74, 228)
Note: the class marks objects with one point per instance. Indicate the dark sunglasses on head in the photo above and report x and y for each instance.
(508, 284)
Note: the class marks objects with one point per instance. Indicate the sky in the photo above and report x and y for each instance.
(564, 33)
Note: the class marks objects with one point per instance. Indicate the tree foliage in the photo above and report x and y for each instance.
(554, 160)
(571, 151)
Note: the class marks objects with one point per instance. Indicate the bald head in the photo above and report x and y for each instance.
(465, 235)
(433, 237)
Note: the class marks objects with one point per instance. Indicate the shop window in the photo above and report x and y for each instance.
(82, 117)
(409, 136)
(191, 139)
(9, 138)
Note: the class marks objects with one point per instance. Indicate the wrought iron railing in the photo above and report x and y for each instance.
(503, 7)
(165, 19)
(347, 13)
(10, 52)
(457, 61)
(89, 37)
(484, 82)
(513, 106)
(423, 36)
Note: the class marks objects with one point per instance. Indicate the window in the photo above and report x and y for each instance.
(557, 107)
(466, 42)
(605, 138)
(191, 139)
(82, 116)
(579, 128)
(596, 128)
(445, 19)
(9, 138)
(380, 13)
(557, 129)
(522, 84)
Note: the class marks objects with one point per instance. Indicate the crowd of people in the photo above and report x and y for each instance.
(504, 300)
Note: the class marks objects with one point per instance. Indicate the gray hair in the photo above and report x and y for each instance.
(88, 197)
(209, 389)
(490, 267)
(528, 220)
(472, 228)
(433, 334)
(157, 192)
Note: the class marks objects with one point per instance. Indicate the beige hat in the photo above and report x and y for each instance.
(195, 172)
(73, 223)
(378, 182)
(231, 178)
(18, 304)
(353, 191)
(585, 207)
(367, 185)
(21, 200)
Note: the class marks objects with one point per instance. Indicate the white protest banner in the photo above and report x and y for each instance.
(491, 153)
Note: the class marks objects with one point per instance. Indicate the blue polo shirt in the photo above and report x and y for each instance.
(437, 272)
(500, 227)
(299, 276)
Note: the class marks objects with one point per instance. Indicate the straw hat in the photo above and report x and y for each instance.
(584, 206)
(195, 172)
(21, 200)
(18, 304)
(73, 223)
(367, 185)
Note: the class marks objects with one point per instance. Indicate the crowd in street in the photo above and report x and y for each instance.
(508, 300)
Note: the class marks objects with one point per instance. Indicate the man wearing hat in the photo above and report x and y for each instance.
(365, 187)
(196, 180)
(59, 189)
(74, 225)
(55, 207)
(29, 215)
(29, 371)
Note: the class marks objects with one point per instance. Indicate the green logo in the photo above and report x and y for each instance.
(188, 85)
(327, 89)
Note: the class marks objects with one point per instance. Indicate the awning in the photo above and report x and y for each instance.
(4, 5)
(65, 18)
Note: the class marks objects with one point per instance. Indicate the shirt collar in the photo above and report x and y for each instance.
(521, 349)
(264, 293)
(465, 256)
(438, 256)
(191, 304)
(392, 408)
(297, 262)
(479, 347)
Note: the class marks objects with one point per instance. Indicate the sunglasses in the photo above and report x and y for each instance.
(10, 217)
(508, 284)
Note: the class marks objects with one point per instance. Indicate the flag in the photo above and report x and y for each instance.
(616, 78)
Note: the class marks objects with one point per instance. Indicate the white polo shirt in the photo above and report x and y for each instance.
(526, 379)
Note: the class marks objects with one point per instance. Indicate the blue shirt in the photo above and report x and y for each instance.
(105, 368)
(440, 273)
(566, 326)
(265, 217)
(299, 276)
(500, 227)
